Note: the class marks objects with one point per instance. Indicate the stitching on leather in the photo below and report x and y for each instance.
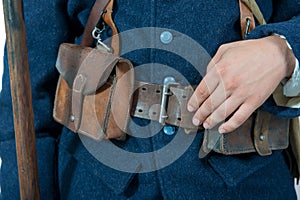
(107, 114)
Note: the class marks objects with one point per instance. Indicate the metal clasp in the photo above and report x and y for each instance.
(248, 23)
(168, 82)
(98, 29)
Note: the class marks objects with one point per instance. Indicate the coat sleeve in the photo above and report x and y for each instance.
(285, 21)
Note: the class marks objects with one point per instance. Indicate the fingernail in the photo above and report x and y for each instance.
(190, 108)
(222, 130)
(196, 122)
(206, 126)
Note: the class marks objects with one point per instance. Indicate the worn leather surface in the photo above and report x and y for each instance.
(147, 104)
(261, 133)
(245, 16)
(107, 17)
(97, 92)
(98, 7)
(87, 90)
(94, 100)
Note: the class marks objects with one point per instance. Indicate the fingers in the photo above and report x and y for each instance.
(210, 105)
(238, 118)
(221, 113)
(230, 86)
(241, 113)
(214, 60)
(208, 83)
(206, 87)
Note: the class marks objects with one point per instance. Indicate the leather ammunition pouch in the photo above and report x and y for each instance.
(97, 93)
(92, 82)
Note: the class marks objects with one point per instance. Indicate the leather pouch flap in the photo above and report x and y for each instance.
(93, 95)
(92, 65)
(256, 135)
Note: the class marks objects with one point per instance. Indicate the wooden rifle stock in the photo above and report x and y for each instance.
(21, 99)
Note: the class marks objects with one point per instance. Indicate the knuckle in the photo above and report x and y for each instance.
(208, 106)
(232, 85)
(201, 92)
(257, 99)
(218, 116)
(221, 69)
(209, 67)
(241, 94)
(223, 47)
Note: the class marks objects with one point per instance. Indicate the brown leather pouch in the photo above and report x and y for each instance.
(90, 80)
(94, 97)
(261, 133)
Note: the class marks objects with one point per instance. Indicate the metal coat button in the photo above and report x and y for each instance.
(169, 130)
(166, 37)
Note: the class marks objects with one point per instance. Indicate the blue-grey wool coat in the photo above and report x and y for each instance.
(68, 171)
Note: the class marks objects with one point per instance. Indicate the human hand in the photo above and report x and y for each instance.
(239, 78)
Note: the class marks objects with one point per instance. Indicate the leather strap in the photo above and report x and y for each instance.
(252, 5)
(261, 133)
(247, 21)
(104, 9)
(107, 17)
(147, 102)
(270, 134)
(88, 97)
(94, 97)
(94, 69)
(99, 6)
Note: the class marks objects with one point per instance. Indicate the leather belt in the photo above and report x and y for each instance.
(94, 98)
(166, 104)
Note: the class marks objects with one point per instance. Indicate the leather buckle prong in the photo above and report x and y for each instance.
(168, 82)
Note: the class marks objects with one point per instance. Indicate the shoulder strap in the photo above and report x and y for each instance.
(248, 10)
(252, 5)
(247, 21)
(107, 17)
(104, 9)
(98, 8)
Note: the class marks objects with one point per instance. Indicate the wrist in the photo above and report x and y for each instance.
(287, 52)
(291, 82)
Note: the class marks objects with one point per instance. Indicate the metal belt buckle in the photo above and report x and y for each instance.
(168, 82)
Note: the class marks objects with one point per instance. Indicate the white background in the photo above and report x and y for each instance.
(2, 41)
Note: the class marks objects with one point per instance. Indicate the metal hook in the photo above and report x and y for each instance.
(98, 29)
(96, 33)
(248, 21)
